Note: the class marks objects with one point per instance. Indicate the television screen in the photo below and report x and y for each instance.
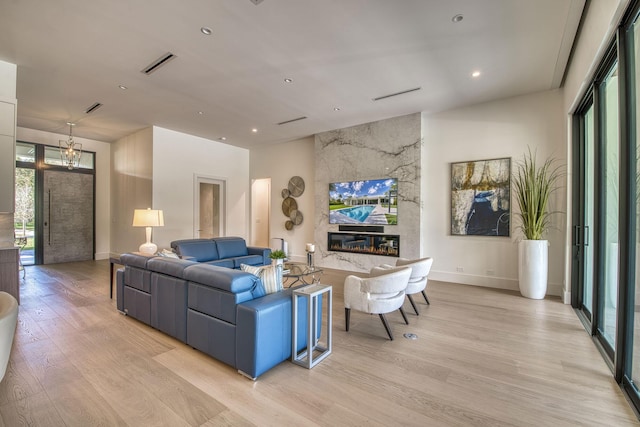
(373, 201)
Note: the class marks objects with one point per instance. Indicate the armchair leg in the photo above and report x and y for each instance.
(386, 325)
(425, 297)
(347, 317)
(404, 316)
(413, 304)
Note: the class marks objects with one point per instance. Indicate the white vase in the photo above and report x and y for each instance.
(533, 267)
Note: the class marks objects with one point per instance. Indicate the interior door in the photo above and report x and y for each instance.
(68, 215)
(209, 208)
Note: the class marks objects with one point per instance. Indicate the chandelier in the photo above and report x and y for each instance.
(70, 151)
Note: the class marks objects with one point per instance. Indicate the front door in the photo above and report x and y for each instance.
(67, 217)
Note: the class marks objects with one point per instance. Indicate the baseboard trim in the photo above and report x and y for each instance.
(488, 281)
(101, 255)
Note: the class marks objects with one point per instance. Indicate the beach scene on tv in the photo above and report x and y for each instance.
(373, 201)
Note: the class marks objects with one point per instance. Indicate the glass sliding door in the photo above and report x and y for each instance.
(584, 216)
(609, 209)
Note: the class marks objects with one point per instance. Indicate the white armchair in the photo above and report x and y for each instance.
(8, 320)
(382, 292)
(419, 276)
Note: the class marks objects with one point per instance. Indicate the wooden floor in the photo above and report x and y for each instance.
(483, 357)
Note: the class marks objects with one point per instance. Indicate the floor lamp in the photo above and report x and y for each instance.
(148, 218)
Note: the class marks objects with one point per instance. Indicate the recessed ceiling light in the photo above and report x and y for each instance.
(123, 87)
(206, 31)
(223, 138)
(200, 112)
(288, 80)
(475, 74)
(254, 130)
(336, 109)
(457, 18)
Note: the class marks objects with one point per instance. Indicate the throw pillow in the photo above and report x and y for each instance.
(268, 274)
(167, 253)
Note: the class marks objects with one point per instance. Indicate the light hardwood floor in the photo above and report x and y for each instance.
(483, 357)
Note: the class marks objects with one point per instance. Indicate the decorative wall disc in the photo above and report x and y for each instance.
(285, 193)
(296, 217)
(296, 186)
(288, 225)
(289, 204)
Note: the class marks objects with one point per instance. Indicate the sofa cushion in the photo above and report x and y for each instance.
(271, 281)
(230, 247)
(200, 250)
(248, 260)
(227, 263)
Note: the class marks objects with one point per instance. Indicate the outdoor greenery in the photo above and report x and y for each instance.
(533, 185)
(25, 191)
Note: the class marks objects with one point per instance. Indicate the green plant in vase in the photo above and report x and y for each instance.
(533, 185)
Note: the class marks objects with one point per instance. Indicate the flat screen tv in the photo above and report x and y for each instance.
(371, 201)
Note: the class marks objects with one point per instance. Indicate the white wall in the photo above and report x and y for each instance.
(7, 93)
(103, 169)
(280, 162)
(131, 187)
(177, 159)
(492, 130)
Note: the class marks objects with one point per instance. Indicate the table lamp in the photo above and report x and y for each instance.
(148, 218)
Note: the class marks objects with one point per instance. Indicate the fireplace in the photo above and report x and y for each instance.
(362, 243)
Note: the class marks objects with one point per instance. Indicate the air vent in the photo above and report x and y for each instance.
(93, 108)
(158, 63)
(397, 93)
(292, 120)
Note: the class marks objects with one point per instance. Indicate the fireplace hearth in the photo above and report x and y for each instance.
(362, 243)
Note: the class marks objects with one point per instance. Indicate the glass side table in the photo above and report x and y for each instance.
(316, 351)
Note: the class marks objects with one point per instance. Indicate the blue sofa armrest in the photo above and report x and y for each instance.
(263, 252)
(263, 332)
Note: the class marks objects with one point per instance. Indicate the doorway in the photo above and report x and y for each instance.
(209, 209)
(260, 209)
(54, 219)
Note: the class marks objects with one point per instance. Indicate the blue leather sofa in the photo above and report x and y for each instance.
(227, 252)
(220, 311)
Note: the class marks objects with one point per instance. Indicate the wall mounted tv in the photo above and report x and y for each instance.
(372, 201)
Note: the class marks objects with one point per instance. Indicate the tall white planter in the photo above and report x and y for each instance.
(533, 267)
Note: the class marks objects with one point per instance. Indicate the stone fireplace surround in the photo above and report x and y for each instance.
(387, 148)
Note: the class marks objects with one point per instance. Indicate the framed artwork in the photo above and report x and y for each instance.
(481, 198)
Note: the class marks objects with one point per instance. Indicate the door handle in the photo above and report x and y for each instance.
(49, 219)
(585, 236)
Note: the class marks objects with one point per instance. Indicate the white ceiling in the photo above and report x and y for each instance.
(339, 53)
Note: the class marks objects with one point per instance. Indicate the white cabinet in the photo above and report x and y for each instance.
(7, 155)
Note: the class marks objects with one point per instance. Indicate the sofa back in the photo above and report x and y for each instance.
(200, 250)
(231, 247)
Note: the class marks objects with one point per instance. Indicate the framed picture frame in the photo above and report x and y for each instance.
(481, 198)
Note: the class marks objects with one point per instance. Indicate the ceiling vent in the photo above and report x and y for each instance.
(93, 108)
(292, 120)
(256, 2)
(158, 63)
(397, 93)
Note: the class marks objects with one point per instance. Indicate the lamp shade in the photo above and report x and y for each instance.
(148, 218)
